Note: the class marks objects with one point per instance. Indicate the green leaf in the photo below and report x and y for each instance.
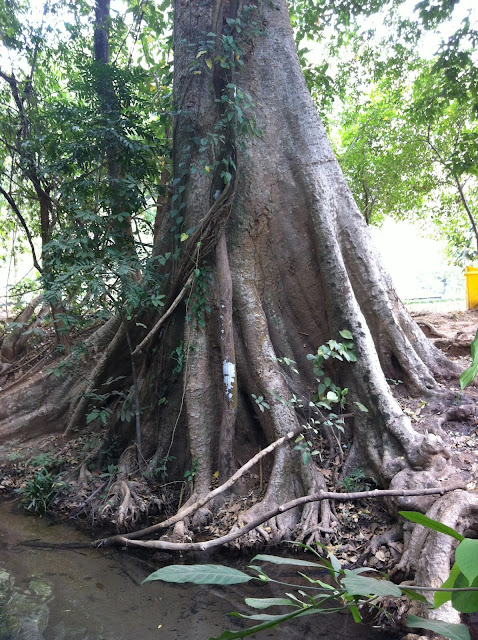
(474, 348)
(465, 601)
(291, 561)
(451, 631)
(470, 374)
(419, 518)
(306, 456)
(265, 603)
(199, 574)
(361, 406)
(346, 334)
(336, 566)
(441, 597)
(361, 586)
(264, 617)
(466, 557)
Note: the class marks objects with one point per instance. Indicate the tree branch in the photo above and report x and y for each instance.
(469, 213)
(322, 495)
(16, 211)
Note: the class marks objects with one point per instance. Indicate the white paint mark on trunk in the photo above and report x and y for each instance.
(229, 373)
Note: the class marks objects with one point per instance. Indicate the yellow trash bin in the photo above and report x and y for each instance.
(471, 275)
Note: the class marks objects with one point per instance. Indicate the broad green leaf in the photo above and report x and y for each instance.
(265, 603)
(336, 566)
(465, 601)
(346, 334)
(361, 586)
(199, 574)
(451, 631)
(441, 597)
(322, 584)
(293, 561)
(419, 518)
(360, 570)
(474, 349)
(468, 375)
(466, 557)
(262, 617)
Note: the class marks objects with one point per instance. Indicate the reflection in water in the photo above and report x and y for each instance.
(94, 594)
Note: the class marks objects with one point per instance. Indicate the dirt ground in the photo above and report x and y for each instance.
(452, 332)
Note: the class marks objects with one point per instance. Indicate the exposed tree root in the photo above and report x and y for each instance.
(294, 267)
(120, 509)
(29, 364)
(428, 554)
(228, 357)
(432, 330)
(127, 505)
(13, 344)
(194, 506)
(317, 517)
(76, 417)
(265, 517)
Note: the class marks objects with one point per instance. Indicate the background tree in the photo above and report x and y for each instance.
(408, 149)
(67, 134)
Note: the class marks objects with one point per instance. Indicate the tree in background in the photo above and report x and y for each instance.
(408, 149)
(81, 159)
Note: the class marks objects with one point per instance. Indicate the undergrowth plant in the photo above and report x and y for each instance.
(469, 374)
(326, 405)
(329, 587)
(38, 492)
(357, 480)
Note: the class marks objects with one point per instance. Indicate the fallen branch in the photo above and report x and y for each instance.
(321, 495)
(192, 508)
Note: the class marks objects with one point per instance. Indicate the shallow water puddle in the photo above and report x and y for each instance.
(94, 594)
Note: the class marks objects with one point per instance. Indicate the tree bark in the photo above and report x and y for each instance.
(302, 264)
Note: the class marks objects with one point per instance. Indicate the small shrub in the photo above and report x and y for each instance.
(39, 492)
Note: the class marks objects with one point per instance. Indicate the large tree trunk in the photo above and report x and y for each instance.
(301, 264)
(287, 263)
